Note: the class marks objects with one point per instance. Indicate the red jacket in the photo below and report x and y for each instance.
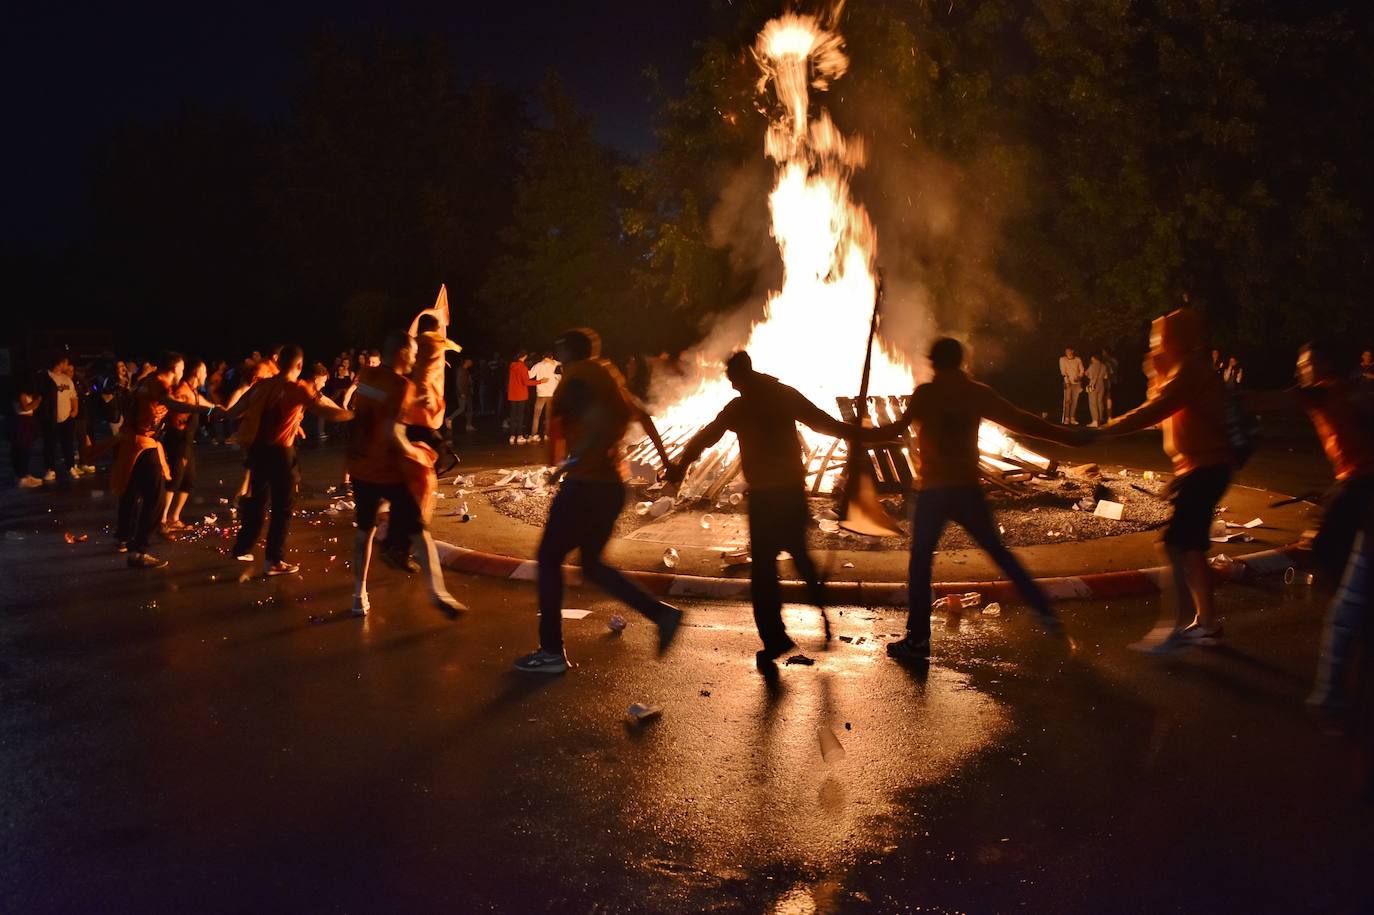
(519, 387)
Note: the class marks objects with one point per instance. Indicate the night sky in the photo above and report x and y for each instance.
(73, 74)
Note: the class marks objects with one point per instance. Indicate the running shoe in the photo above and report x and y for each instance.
(29, 482)
(1160, 641)
(145, 561)
(910, 650)
(50, 476)
(360, 607)
(1200, 635)
(281, 567)
(543, 662)
(449, 605)
(244, 557)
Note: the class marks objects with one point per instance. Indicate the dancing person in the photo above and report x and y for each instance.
(179, 444)
(1071, 380)
(764, 417)
(545, 375)
(591, 412)
(518, 394)
(271, 419)
(1188, 399)
(139, 475)
(1099, 389)
(1342, 411)
(385, 465)
(57, 417)
(429, 330)
(947, 411)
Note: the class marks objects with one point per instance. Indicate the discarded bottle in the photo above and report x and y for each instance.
(661, 507)
(1290, 575)
(736, 498)
(832, 751)
(642, 508)
(706, 520)
(671, 558)
(993, 609)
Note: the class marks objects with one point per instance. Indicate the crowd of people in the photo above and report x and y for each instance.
(399, 406)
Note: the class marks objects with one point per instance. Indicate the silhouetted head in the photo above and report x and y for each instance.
(948, 353)
(739, 368)
(576, 344)
(290, 359)
(169, 366)
(1317, 361)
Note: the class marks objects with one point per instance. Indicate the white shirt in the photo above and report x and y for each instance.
(544, 373)
(66, 395)
(1071, 368)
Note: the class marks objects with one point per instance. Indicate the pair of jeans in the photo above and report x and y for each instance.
(271, 475)
(60, 437)
(517, 419)
(582, 516)
(541, 414)
(140, 505)
(778, 520)
(1348, 616)
(966, 506)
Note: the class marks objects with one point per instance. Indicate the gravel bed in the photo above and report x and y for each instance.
(1042, 511)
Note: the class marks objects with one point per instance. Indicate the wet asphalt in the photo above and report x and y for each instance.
(184, 740)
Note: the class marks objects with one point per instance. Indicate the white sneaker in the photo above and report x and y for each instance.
(245, 557)
(512, 440)
(50, 476)
(360, 607)
(1092, 425)
(520, 440)
(74, 473)
(29, 482)
(88, 469)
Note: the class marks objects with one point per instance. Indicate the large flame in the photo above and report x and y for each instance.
(814, 329)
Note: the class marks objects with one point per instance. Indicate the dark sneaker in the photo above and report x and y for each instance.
(401, 561)
(282, 568)
(542, 662)
(910, 650)
(145, 561)
(771, 653)
(669, 619)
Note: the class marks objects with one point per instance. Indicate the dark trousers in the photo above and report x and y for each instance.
(518, 419)
(582, 517)
(778, 520)
(271, 474)
(59, 436)
(1345, 511)
(23, 430)
(966, 506)
(141, 503)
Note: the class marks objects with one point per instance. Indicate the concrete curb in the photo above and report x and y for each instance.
(1094, 586)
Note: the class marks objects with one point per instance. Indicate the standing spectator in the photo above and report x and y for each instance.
(518, 393)
(545, 376)
(1113, 369)
(1233, 375)
(57, 417)
(1071, 377)
(637, 376)
(1099, 389)
(1218, 363)
(464, 386)
(179, 444)
(23, 433)
(1367, 365)
(1188, 401)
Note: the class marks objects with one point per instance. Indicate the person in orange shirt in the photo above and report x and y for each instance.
(432, 345)
(272, 413)
(518, 393)
(140, 472)
(1188, 400)
(179, 445)
(385, 465)
(591, 413)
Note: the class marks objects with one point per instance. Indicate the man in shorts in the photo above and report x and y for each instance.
(385, 465)
(1188, 400)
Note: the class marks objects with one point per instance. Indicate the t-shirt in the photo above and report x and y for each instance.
(148, 409)
(283, 406)
(66, 396)
(545, 375)
(1071, 368)
(519, 386)
(1098, 374)
(379, 403)
(949, 410)
(593, 385)
(1190, 406)
(1344, 426)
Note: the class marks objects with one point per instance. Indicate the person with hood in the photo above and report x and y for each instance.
(1188, 400)
(591, 412)
(948, 411)
(764, 417)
